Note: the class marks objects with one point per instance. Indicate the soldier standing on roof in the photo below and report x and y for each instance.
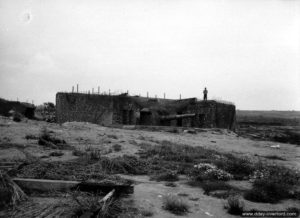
(205, 94)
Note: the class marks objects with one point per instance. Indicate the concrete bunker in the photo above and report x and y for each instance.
(135, 110)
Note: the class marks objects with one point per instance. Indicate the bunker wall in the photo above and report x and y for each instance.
(84, 108)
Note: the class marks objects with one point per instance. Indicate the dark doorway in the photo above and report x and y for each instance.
(201, 120)
(179, 121)
(146, 118)
(131, 117)
(125, 117)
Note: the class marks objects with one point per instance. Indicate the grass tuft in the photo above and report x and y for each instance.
(235, 205)
(117, 147)
(146, 213)
(175, 205)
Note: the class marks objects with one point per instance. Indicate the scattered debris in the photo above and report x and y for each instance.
(191, 131)
(275, 146)
(207, 213)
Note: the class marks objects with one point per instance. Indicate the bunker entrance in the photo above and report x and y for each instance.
(179, 121)
(201, 119)
(131, 117)
(125, 117)
(146, 117)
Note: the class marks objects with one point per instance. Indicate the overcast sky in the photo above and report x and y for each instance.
(244, 51)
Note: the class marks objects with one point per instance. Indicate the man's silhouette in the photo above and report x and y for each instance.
(205, 94)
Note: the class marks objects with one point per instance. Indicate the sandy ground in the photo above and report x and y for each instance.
(148, 194)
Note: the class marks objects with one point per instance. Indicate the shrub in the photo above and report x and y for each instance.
(47, 140)
(125, 164)
(234, 205)
(267, 191)
(169, 176)
(17, 117)
(45, 134)
(176, 152)
(95, 154)
(146, 213)
(238, 167)
(272, 184)
(210, 186)
(117, 147)
(175, 205)
(205, 171)
(29, 136)
(78, 152)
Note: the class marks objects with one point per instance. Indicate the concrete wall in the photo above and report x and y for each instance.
(128, 110)
(210, 114)
(85, 108)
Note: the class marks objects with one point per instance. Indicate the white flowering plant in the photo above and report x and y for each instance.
(206, 171)
(260, 174)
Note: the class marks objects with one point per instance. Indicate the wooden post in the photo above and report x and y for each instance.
(77, 88)
(147, 94)
(92, 90)
(98, 90)
(180, 96)
(72, 89)
(164, 95)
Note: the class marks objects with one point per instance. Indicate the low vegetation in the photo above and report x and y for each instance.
(117, 147)
(205, 171)
(234, 205)
(272, 184)
(47, 140)
(30, 136)
(210, 186)
(78, 152)
(240, 167)
(169, 176)
(146, 212)
(208, 168)
(175, 205)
